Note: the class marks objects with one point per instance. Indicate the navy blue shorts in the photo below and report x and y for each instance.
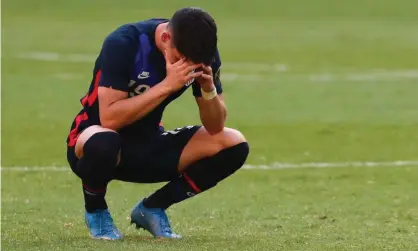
(150, 160)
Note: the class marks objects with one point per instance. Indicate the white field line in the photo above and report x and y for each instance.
(88, 58)
(274, 166)
(257, 72)
(57, 57)
(280, 165)
(406, 74)
(376, 75)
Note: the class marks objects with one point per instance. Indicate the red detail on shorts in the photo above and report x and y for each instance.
(103, 190)
(191, 183)
(74, 132)
(91, 97)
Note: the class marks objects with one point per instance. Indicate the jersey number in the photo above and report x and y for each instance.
(177, 130)
(139, 90)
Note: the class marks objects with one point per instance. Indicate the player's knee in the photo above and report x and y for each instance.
(103, 145)
(231, 137)
(100, 157)
(240, 147)
(240, 153)
(236, 147)
(86, 135)
(235, 157)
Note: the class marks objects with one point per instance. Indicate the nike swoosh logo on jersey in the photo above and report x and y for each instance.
(144, 75)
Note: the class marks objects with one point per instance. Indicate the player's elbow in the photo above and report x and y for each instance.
(214, 126)
(215, 129)
(109, 123)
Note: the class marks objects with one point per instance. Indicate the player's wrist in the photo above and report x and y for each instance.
(167, 87)
(208, 87)
(209, 95)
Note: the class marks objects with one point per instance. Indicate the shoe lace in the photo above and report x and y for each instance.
(164, 222)
(107, 221)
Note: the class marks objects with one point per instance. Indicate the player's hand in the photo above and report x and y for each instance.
(179, 73)
(206, 79)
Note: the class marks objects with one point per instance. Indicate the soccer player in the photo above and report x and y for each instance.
(142, 67)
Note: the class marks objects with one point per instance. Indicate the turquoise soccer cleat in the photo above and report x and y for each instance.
(100, 225)
(154, 220)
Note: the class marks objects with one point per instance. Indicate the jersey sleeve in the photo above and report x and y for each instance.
(117, 57)
(216, 70)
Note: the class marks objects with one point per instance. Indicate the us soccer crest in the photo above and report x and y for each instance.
(191, 80)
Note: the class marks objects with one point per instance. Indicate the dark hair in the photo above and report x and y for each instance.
(194, 34)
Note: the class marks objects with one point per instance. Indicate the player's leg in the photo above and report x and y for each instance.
(204, 161)
(97, 153)
(203, 145)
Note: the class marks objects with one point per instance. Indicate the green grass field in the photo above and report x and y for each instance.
(306, 81)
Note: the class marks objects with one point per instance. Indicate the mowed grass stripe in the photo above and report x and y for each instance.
(274, 166)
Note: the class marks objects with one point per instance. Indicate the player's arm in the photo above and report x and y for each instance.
(116, 109)
(212, 109)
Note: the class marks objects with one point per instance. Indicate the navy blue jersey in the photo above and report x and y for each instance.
(130, 61)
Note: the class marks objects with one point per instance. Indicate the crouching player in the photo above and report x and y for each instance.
(142, 67)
